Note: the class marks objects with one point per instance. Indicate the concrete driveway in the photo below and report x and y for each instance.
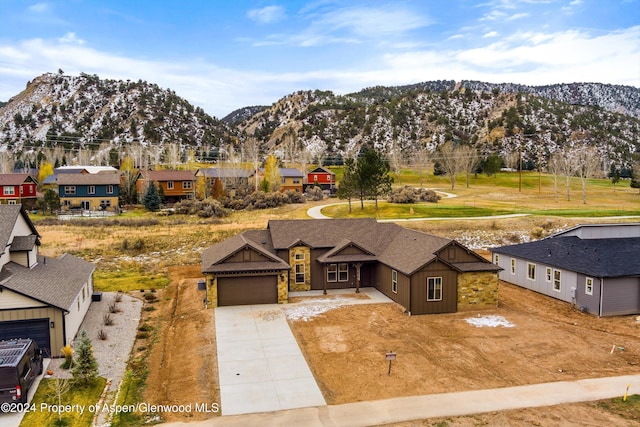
(260, 365)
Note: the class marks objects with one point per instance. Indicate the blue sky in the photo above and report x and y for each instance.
(222, 55)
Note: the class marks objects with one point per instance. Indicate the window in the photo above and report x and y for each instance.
(513, 266)
(332, 273)
(299, 257)
(92, 189)
(394, 281)
(343, 272)
(69, 189)
(296, 180)
(83, 295)
(556, 280)
(109, 189)
(186, 185)
(434, 288)
(531, 271)
(548, 275)
(283, 180)
(299, 273)
(105, 204)
(12, 202)
(588, 287)
(495, 260)
(9, 190)
(169, 185)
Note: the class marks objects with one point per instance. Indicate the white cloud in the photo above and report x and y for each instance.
(517, 16)
(490, 34)
(71, 37)
(39, 7)
(267, 15)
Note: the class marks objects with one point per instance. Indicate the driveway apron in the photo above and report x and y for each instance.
(260, 365)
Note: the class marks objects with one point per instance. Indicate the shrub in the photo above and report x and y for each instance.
(145, 327)
(113, 308)
(142, 335)
(107, 320)
(135, 245)
(102, 334)
(207, 208)
(118, 297)
(408, 194)
(150, 297)
(67, 352)
(314, 193)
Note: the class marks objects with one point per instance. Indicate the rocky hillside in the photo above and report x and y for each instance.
(496, 118)
(86, 111)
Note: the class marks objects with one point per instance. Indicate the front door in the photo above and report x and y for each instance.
(85, 205)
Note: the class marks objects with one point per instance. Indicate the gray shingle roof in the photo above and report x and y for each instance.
(168, 175)
(400, 248)
(102, 178)
(23, 243)
(614, 257)
(8, 217)
(56, 281)
(212, 257)
(225, 172)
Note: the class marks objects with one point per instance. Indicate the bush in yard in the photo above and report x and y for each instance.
(67, 352)
(206, 208)
(86, 366)
(408, 194)
(314, 193)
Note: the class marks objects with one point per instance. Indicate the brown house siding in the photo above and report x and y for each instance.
(382, 275)
(247, 255)
(419, 303)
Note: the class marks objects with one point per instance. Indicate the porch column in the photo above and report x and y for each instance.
(324, 280)
(358, 265)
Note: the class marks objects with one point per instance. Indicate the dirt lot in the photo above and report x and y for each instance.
(345, 347)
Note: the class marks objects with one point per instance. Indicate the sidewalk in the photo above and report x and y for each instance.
(437, 405)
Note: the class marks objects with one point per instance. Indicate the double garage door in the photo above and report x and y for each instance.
(37, 330)
(247, 290)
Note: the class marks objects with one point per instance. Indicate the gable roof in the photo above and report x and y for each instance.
(213, 257)
(225, 172)
(290, 172)
(15, 178)
(85, 169)
(168, 175)
(53, 281)
(24, 243)
(611, 257)
(320, 169)
(102, 178)
(9, 214)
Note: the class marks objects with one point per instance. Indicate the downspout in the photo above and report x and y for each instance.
(410, 302)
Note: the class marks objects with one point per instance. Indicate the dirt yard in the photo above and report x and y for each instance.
(346, 347)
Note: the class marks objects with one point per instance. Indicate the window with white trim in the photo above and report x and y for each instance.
(343, 272)
(556, 280)
(169, 185)
(299, 256)
(434, 288)
(588, 286)
(109, 189)
(513, 266)
(332, 273)
(299, 273)
(394, 281)
(186, 185)
(92, 189)
(69, 189)
(495, 259)
(9, 190)
(531, 271)
(548, 274)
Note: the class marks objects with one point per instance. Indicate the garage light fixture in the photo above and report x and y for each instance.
(52, 324)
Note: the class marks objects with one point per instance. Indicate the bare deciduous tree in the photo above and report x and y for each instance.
(469, 160)
(588, 163)
(251, 148)
(449, 161)
(172, 152)
(421, 160)
(554, 167)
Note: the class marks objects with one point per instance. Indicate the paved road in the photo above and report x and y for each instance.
(436, 405)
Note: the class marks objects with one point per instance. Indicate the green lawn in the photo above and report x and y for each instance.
(78, 413)
(128, 280)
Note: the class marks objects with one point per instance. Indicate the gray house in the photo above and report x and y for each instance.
(595, 267)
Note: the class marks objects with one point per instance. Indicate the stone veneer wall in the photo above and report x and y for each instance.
(212, 291)
(306, 286)
(283, 289)
(477, 290)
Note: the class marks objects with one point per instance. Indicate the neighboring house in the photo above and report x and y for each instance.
(51, 182)
(231, 178)
(176, 185)
(322, 178)
(422, 273)
(41, 298)
(291, 179)
(18, 188)
(87, 191)
(594, 267)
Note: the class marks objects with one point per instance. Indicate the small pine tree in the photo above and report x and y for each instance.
(86, 366)
(151, 200)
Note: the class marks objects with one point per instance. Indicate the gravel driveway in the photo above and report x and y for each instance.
(112, 354)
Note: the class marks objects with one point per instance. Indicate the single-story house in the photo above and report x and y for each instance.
(41, 298)
(18, 189)
(595, 267)
(421, 272)
(176, 185)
